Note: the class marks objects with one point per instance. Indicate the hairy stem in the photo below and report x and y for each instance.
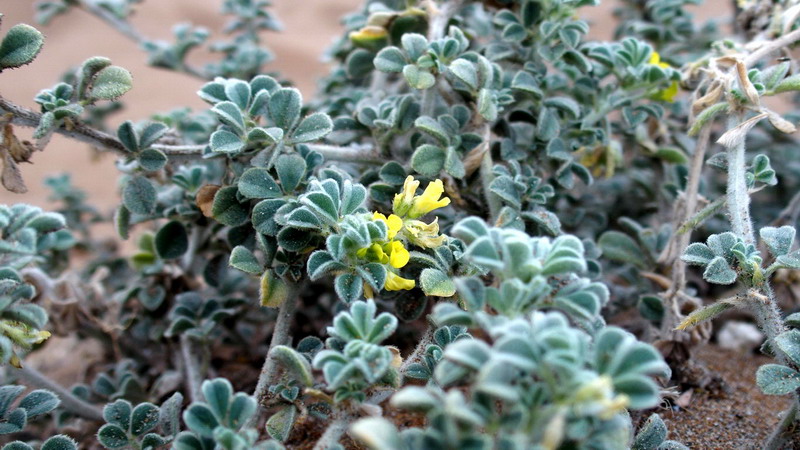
(69, 401)
(738, 197)
(333, 433)
(25, 117)
(486, 180)
(280, 336)
(419, 350)
(191, 367)
(679, 242)
(784, 436)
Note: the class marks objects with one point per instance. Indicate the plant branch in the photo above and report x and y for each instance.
(123, 26)
(738, 197)
(772, 46)
(419, 350)
(280, 336)
(25, 117)
(679, 242)
(333, 433)
(69, 401)
(191, 368)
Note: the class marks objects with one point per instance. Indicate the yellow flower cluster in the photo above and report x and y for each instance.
(671, 92)
(403, 226)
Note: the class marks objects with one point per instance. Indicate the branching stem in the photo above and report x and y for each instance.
(69, 401)
(194, 377)
(280, 336)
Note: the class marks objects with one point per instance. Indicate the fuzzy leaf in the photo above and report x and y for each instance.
(256, 182)
(436, 283)
(110, 83)
(719, 272)
(139, 196)
(279, 425)
(778, 240)
(775, 379)
(621, 247)
(171, 240)
(20, 46)
(243, 259)
(313, 128)
(274, 291)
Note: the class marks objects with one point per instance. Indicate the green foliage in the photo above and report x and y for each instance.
(14, 415)
(20, 46)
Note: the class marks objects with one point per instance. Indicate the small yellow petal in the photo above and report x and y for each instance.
(399, 256)
(395, 282)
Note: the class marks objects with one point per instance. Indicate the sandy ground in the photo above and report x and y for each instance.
(308, 30)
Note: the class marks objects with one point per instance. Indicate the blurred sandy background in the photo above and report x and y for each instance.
(310, 26)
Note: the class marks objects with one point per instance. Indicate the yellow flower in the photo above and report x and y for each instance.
(395, 282)
(429, 200)
(423, 234)
(373, 253)
(398, 255)
(402, 201)
(668, 94)
(393, 223)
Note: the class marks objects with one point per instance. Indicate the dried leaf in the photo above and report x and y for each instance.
(747, 86)
(736, 135)
(780, 123)
(11, 176)
(205, 198)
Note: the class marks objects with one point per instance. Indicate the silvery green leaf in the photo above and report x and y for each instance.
(487, 105)
(390, 59)
(651, 434)
(118, 413)
(257, 182)
(226, 208)
(698, 254)
(20, 46)
(238, 92)
(223, 141)
(279, 425)
(313, 128)
(200, 419)
(244, 260)
(790, 261)
(377, 433)
(348, 287)
(291, 170)
(778, 240)
(418, 78)
(230, 114)
(258, 134)
(719, 272)
(171, 240)
(139, 196)
(414, 44)
(59, 442)
(789, 343)
(430, 126)
(128, 136)
(112, 436)
(622, 248)
(775, 379)
(428, 160)
(152, 160)
(152, 133)
(547, 126)
(436, 283)
(294, 363)
(465, 72)
(284, 107)
(38, 402)
(110, 83)
(144, 418)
